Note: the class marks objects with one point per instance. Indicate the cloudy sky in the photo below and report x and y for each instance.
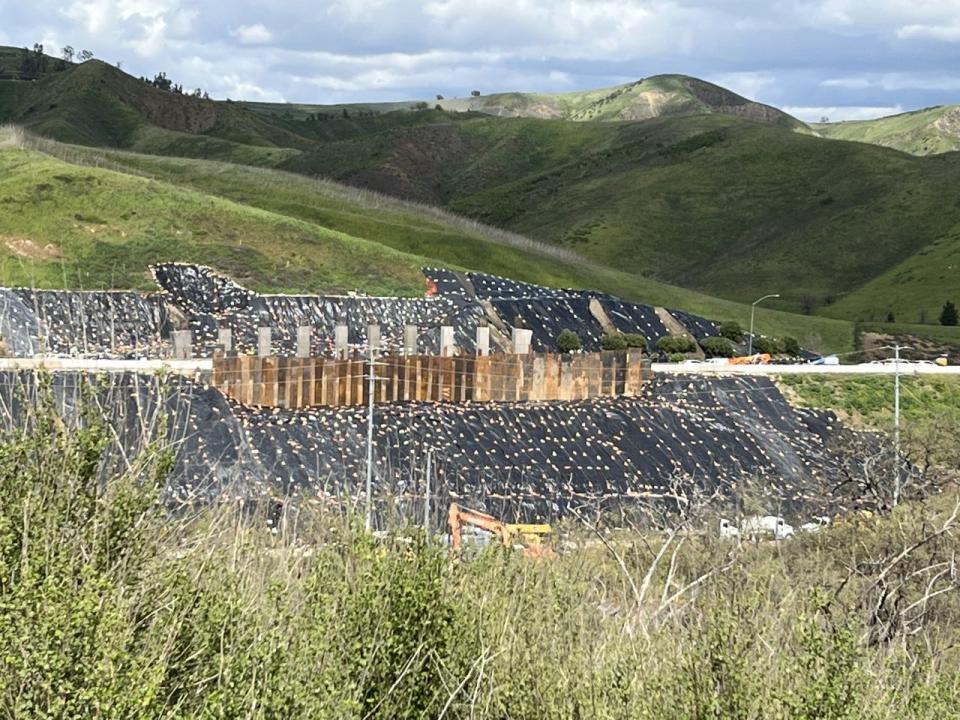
(841, 58)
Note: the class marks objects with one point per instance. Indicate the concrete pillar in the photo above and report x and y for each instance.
(521, 340)
(448, 346)
(341, 340)
(304, 337)
(182, 344)
(225, 338)
(410, 335)
(483, 340)
(264, 348)
(373, 337)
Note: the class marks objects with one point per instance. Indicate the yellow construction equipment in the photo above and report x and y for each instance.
(758, 359)
(529, 536)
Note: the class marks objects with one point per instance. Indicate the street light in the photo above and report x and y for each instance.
(753, 308)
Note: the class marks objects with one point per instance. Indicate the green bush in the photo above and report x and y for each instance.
(568, 341)
(716, 347)
(791, 346)
(676, 357)
(635, 340)
(731, 330)
(613, 341)
(768, 345)
(676, 344)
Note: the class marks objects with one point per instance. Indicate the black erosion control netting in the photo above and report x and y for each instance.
(523, 461)
(197, 298)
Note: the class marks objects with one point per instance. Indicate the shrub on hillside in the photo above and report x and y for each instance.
(948, 315)
(768, 345)
(568, 341)
(635, 340)
(791, 346)
(716, 347)
(676, 344)
(676, 357)
(613, 341)
(732, 331)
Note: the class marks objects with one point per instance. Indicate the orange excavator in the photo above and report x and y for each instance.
(528, 536)
(758, 359)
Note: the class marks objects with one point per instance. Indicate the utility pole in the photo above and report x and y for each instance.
(426, 498)
(369, 522)
(753, 308)
(896, 419)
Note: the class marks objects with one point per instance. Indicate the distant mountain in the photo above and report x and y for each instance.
(653, 97)
(921, 132)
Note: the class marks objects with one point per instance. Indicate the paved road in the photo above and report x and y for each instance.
(906, 368)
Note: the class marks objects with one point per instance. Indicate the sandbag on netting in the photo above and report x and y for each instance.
(634, 318)
(548, 317)
(697, 326)
(201, 290)
(90, 322)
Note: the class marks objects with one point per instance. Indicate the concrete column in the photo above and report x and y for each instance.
(483, 340)
(182, 344)
(410, 335)
(448, 346)
(341, 340)
(373, 337)
(225, 338)
(521, 340)
(304, 336)
(264, 343)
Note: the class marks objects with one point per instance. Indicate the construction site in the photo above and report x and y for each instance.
(411, 404)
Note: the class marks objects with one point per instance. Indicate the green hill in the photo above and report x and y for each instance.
(716, 203)
(657, 96)
(921, 132)
(78, 224)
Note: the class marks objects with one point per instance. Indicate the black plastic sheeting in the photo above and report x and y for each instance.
(547, 317)
(518, 460)
(634, 318)
(697, 326)
(111, 323)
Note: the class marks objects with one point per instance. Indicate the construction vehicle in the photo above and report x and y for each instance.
(528, 537)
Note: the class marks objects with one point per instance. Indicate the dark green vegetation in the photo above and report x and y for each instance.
(729, 204)
(109, 608)
(919, 132)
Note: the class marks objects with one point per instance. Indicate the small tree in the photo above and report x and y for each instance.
(890, 317)
(716, 347)
(475, 93)
(791, 346)
(568, 341)
(672, 344)
(439, 96)
(85, 55)
(948, 315)
(613, 341)
(770, 346)
(67, 53)
(731, 330)
(635, 340)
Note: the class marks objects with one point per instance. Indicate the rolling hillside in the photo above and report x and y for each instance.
(721, 203)
(657, 96)
(921, 132)
(75, 223)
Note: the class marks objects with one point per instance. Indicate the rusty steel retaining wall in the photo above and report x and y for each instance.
(305, 382)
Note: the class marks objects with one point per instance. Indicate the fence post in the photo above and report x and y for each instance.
(182, 344)
(341, 341)
(225, 338)
(304, 336)
(264, 342)
(410, 335)
(448, 346)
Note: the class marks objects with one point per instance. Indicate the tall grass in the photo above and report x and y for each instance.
(110, 607)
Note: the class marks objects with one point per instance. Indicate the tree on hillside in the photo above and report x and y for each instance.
(948, 315)
(67, 53)
(475, 93)
(85, 55)
(439, 96)
(568, 341)
(890, 317)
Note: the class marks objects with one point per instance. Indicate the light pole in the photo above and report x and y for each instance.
(753, 308)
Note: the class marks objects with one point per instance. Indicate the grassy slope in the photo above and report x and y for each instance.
(868, 400)
(920, 132)
(727, 207)
(717, 204)
(105, 228)
(325, 207)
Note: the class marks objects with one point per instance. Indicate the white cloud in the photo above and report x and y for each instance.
(895, 82)
(946, 33)
(841, 113)
(257, 34)
(749, 84)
